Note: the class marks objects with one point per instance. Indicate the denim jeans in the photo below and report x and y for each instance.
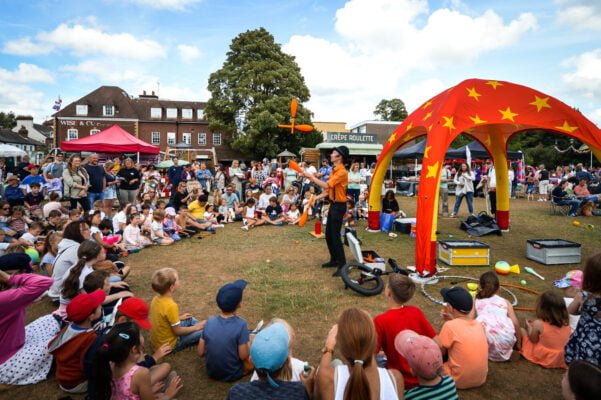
(574, 204)
(191, 339)
(469, 198)
(92, 197)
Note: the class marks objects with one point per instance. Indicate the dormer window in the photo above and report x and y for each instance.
(81, 110)
(108, 110)
(156, 112)
(172, 113)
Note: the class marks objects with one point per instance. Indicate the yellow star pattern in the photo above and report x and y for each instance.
(448, 122)
(426, 155)
(566, 127)
(507, 114)
(540, 103)
(430, 128)
(494, 84)
(409, 127)
(477, 121)
(426, 104)
(428, 115)
(392, 137)
(473, 93)
(433, 170)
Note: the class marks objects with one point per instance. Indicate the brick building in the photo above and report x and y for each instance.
(164, 123)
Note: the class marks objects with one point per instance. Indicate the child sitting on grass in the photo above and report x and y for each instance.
(399, 317)
(424, 358)
(34, 230)
(50, 252)
(544, 338)
(134, 241)
(34, 199)
(463, 339)
(225, 341)
(496, 314)
(170, 227)
(168, 326)
(157, 234)
(293, 215)
(249, 215)
(273, 213)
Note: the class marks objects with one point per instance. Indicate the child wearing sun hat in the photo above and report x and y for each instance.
(570, 285)
(425, 360)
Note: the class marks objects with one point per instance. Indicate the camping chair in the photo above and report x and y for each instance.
(520, 191)
(560, 209)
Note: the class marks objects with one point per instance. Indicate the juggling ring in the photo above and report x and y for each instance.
(504, 286)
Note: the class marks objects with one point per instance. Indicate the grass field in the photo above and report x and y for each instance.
(281, 265)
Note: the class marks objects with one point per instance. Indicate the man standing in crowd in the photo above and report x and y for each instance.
(55, 168)
(543, 183)
(335, 189)
(174, 174)
(97, 180)
(21, 168)
(309, 170)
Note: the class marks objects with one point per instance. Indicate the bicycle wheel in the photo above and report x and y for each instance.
(360, 278)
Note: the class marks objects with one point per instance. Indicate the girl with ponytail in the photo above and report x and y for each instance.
(358, 378)
(116, 373)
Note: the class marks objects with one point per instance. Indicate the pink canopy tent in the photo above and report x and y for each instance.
(112, 140)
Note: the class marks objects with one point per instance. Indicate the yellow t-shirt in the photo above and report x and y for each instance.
(197, 210)
(164, 314)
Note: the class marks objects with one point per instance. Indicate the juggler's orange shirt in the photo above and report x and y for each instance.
(337, 184)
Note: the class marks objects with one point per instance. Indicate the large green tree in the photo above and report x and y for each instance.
(391, 110)
(251, 93)
(7, 120)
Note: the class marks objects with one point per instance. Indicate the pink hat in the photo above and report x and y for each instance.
(421, 352)
(571, 279)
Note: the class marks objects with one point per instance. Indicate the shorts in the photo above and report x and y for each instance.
(543, 187)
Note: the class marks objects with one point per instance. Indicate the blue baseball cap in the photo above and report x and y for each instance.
(269, 350)
(230, 295)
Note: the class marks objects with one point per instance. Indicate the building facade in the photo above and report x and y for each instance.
(167, 124)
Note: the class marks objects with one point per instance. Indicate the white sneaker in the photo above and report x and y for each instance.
(245, 228)
(540, 200)
(219, 226)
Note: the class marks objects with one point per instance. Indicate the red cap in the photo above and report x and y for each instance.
(136, 309)
(83, 305)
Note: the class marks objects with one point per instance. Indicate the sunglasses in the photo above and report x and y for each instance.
(6, 208)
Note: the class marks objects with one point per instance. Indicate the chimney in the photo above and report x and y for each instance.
(153, 93)
(23, 131)
(144, 92)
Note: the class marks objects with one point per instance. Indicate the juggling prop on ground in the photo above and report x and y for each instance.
(489, 111)
(503, 268)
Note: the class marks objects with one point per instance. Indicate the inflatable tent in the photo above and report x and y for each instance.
(489, 111)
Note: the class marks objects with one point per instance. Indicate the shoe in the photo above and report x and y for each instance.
(329, 264)
(453, 215)
(245, 228)
(338, 270)
(571, 215)
(540, 200)
(257, 328)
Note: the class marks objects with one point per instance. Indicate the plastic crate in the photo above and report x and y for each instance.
(553, 251)
(464, 252)
(403, 225)
(361, 255)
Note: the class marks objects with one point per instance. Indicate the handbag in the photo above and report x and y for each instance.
(386, 222)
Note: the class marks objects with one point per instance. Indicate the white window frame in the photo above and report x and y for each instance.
(171, 138)
(156, 112)
(72, 134)
(94, 131)
(187, 138)
(171, 113)
(81, 110)
(187, 113)
(216, 139)
(155, 137)
(200, 114)
(108, 110)
(202, 138)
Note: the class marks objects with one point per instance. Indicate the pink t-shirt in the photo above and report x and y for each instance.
(122, 386)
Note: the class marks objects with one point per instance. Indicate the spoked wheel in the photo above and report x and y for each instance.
(361, 279)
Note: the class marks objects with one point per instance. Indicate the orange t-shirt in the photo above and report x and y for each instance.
(337, 184)
(467, 348)
(548, 351)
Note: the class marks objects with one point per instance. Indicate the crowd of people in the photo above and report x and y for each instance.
(94, 336)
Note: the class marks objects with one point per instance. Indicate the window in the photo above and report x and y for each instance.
(171, 138)
(155, 137)
(202, 138)
(186, 113)
(81, 109)
(172, 113)
(217, 139)
(94, 131)
(187, 138)
(156, 112)
(200, 114)
(108, 110)
(71, 134)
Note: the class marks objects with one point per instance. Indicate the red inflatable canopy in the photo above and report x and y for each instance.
(112, 140)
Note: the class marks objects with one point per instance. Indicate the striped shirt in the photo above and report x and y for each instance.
(443, 390)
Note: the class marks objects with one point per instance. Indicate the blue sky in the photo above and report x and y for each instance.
(352, 53)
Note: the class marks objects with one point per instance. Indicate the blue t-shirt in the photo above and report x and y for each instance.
(258, 390)
(29, 179)
(222, 337)
(96, 174)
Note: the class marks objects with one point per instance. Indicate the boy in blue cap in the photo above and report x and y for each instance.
(225, 341)
(269, 353)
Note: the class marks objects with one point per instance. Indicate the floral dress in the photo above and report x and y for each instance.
(585, 342)
(500, 331)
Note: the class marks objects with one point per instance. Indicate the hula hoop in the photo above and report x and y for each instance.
(469, 278)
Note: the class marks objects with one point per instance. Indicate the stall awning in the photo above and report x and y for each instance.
(355, 149)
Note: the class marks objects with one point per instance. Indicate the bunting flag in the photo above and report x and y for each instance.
(57, 104)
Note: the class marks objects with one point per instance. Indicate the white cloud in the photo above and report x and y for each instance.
(26, 73)
(81, 41)
(383, 41)
(595, 116)
(188, 52)
(580, 14)
(586, 76)
(174, 5)
(23, 100)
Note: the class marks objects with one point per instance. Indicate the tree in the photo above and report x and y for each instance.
(251, 93)
(391, 110)
(7, 120)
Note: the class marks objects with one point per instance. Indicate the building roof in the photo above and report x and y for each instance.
(44, 129)
(8, 136)
(374, 122)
